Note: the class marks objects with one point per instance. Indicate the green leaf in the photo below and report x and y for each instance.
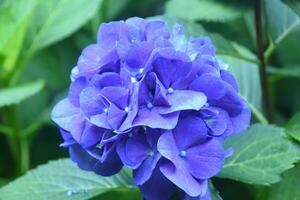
(293, 127)
(214, 193)
(56, 20)
(293, 4)
(288, 188)
(133, 194)
(206, 10)
(3, 182)
(115, 7)
(281, 21)
(284, 71)
(262, 153)
(61, 180)
(15, 16)
(14, 95)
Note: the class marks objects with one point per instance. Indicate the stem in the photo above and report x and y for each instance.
(18, 144)
(260, 55)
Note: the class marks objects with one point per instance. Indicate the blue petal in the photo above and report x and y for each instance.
(157, 187)
(184, 100)
(63, 113)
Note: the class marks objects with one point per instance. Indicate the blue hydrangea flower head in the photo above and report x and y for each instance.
(154, 101)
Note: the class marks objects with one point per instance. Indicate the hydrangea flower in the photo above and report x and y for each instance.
(149, 99)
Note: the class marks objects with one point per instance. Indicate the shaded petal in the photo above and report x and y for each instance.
(115, 116)
(68, 139)
(91, 135)
(116, 95)
(155, 30)
(171, 66)
(205, 160)
(135, 55)
(241, 121)
(202, 46)
(213, 87)
(134, 150)
(87, 162)
(189, 131)
(100, 120)
(229, 78)
(184, 100)
(76, 87)
(157, 187)
(205, 194)
(181, 177)
(218, 124)
(145, 170)
(106, 79)
(153, 119)
(63, 113)
(91, 102)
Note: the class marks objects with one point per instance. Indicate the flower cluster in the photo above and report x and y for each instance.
(149, 99)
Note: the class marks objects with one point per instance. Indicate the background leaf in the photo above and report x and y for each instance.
(281, 21)
(262, 153)
(14, 17)
(14, 95)
(294, 4)
(207, 10)
(61, 180)
(56, 20)
(288, 188)
(293, 127)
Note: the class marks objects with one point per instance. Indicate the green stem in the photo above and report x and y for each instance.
(258, 115)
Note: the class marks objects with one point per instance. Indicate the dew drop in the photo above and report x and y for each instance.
(72, 192)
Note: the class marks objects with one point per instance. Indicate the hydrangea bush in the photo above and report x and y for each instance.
(149, 99)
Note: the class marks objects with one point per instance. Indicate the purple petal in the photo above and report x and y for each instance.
(116, 95)
(63, 113)
(144, 172)
(115, 116)
(189, 131)
(157, 187)
(87, 162)
(134, 150)
(171, 67)
(181, 177)
(91, 102)
(106, 79)
(74, 92)
(184, 100)
(153, 119)
(229, 78)
(205, 160)
(91, 135)
(213, 87)
(205, 194)
(155, 30)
